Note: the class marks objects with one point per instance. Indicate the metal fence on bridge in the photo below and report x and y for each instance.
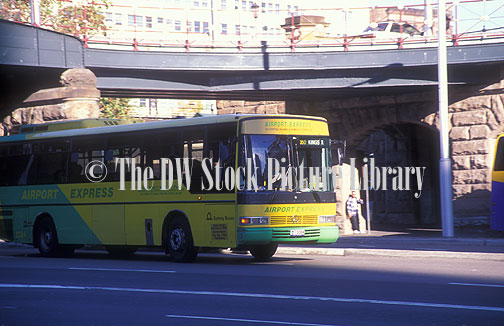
(209, 25)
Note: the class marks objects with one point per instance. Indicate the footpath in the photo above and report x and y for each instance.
(468, 243)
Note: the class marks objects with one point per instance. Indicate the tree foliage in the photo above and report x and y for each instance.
(115, 108)
(82, 17)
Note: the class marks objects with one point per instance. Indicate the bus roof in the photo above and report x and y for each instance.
(145, 126)
(71, 124)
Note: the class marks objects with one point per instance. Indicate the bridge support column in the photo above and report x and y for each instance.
(77, 99)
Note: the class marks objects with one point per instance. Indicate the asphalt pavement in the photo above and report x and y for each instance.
(92, 288)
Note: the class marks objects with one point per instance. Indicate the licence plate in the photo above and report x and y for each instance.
(297, 233)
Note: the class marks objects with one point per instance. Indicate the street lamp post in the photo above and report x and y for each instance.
(35, 12)
(445, 169)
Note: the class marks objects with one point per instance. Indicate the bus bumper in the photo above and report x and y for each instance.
(251, 236)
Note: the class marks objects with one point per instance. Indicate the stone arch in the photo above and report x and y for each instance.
(476, 118)
(404, 146)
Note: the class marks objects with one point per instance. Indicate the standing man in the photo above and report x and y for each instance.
(352, 211)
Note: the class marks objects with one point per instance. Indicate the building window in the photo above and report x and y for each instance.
(148, 22)
(277, 8)
(196, 3)
(263, 6)
(205, 28)
(244, 5)
(197, 27)
(160, 20)
(108, 17)
(169, 24)
(237, 29)
(189, 26)
(142, 102)
(224, 29)
(177, 26)
(223, 5)
(137, 20)
(118, 19)
(204, 4)
(131, 20)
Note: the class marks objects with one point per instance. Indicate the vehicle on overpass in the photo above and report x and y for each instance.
(228, 181)
(390, 31)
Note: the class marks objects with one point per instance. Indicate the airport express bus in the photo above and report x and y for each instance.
(124, 185)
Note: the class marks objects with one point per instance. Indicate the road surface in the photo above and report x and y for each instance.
(92, 288)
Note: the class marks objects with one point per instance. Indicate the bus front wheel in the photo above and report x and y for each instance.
(47, 240)
(180, 241)
(264, 252)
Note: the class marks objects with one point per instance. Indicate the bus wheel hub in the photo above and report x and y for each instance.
(177, 239)
(47, 238)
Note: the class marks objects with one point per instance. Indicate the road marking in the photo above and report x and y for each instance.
(119, 270)
(432, 249)
(272, 263)
(269, 322)
(7, 307)
(473, 284)
(254, 295)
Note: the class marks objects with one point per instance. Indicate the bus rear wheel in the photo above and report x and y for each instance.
(180, 241)
(264, 252)
(47, 240)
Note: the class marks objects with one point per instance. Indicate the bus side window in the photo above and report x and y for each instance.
(499, 156)
(220, 147)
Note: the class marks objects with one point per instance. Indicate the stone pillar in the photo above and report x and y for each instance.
(77, 99)
(476, 121)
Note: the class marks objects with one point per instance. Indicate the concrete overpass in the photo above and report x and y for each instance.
(32, 59)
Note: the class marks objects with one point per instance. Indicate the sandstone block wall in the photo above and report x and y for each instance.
(77, 99)
(476, 121)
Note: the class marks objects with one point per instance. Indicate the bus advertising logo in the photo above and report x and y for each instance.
(96, 171)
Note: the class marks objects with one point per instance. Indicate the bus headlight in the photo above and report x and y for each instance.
(254, 220)
(327, 219)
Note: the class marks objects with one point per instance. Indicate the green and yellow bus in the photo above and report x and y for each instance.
(103, 182)
(497, 209)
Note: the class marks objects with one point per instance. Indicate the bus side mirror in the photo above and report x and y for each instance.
(340, 147)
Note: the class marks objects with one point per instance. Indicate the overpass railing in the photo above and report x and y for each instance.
(250, 26)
